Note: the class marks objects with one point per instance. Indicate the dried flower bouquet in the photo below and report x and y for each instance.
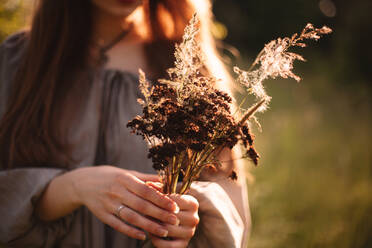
(187, 122)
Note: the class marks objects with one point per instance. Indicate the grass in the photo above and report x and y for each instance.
(312, 188)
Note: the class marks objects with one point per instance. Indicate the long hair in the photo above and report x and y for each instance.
(56, 52)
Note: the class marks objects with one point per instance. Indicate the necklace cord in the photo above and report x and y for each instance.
(104, 49)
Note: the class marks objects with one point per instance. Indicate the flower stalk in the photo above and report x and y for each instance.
(187, 122)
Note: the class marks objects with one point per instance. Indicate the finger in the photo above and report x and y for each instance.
(185, 202)
(176, 243)
(188, 218)
(120, 226)
(146, 177)
(150, 194)
(156, 185)
(132, 217)
(147, 208)
(180, 232)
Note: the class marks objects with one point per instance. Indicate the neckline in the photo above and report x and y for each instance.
(113, 42)
(104, 49)
(125, 72)
(120, 71)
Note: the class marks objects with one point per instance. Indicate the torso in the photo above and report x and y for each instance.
(127, 56)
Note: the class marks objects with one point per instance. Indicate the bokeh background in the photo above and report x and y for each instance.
(313, 185)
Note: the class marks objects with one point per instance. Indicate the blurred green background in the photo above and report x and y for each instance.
(313, 185)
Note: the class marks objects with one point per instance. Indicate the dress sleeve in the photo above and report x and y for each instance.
(11, 51)
(21, 188)
(220, 223)
(223, 209)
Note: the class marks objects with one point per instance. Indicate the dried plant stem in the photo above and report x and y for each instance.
(187, 122)
(250, 112)
(173, 182)
(188, 174)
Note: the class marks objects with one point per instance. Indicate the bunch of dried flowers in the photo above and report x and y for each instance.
(187, 122)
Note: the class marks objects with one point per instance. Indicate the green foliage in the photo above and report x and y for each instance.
(313, 186)
(13, 16)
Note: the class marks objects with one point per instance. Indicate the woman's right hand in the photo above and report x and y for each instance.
(102, 189)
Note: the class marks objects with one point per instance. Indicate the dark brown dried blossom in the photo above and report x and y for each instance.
(233, 176)
(187, 121)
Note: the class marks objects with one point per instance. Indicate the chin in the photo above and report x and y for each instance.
(120, 8)
(129, 2)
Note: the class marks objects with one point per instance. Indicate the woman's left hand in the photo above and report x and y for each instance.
(181, 234)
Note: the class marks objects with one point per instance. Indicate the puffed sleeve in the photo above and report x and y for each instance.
(223, 210)
(11, 51)
(20, 189)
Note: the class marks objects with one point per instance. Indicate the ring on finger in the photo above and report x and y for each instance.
(118, 210)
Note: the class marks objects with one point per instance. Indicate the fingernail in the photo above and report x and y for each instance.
(177, 209)
(163, 233)
(141, 236)
(178, 222)
(173, 220)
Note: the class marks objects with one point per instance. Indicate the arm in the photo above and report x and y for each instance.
(224, 211)
(36, 205)
(103, 189)
(20, 189)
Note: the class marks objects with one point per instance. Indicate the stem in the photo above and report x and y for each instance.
(185, 187)
(174, 176)
(187, 176)
(241, 104)
(256, 60)
(168, 181)
(250, 112)
(177, 166)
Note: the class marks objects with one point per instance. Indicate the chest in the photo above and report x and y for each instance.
(98, 133)
(127, 57)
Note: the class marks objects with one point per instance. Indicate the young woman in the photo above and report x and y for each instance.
(71, 173)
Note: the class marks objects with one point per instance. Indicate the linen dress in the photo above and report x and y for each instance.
(99, 136)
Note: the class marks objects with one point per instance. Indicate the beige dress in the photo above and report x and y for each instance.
(100, 136)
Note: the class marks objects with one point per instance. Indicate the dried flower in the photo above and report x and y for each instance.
(276, 61)
(187, 121)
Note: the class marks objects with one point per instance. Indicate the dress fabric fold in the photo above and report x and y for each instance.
(100, 137)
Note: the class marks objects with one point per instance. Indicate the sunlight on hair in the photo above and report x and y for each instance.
(212, 59)
(137, 18)
(166, 22)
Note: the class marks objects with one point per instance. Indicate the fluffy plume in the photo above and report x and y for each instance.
(187, 121)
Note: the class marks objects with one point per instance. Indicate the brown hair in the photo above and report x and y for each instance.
(56, 50)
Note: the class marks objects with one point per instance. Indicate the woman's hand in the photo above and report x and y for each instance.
(180, 234)
(103, 189)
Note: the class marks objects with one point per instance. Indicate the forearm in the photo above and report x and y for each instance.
(234, 193)
(59, 198)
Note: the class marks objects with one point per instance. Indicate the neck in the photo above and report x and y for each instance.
(107, 27)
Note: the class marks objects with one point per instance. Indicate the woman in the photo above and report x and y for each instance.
(72, 174)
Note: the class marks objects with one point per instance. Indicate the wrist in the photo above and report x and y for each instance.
(59, 199)
(74, 179)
